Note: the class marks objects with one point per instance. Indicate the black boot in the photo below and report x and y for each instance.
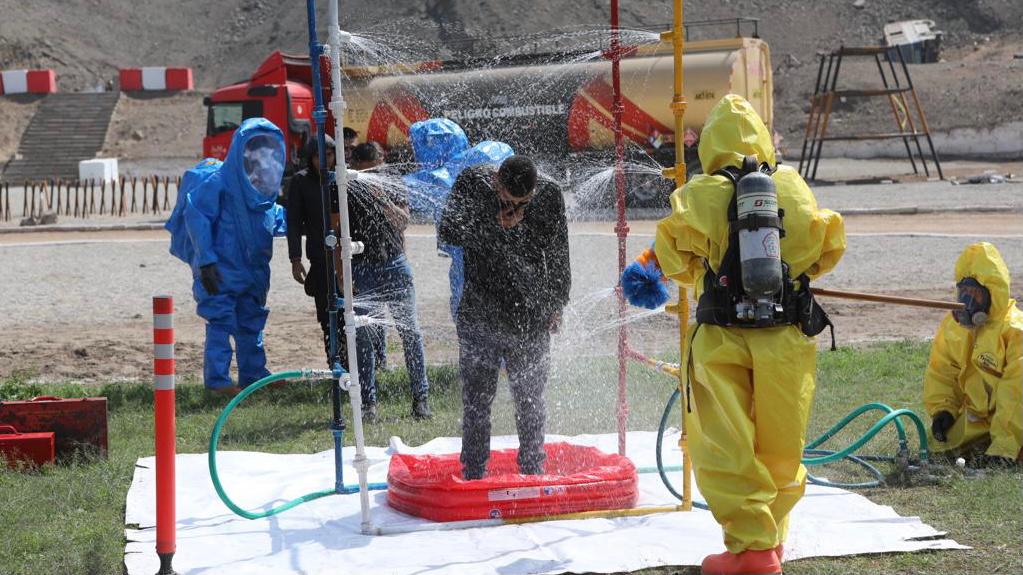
(369, 413)
(421, 409)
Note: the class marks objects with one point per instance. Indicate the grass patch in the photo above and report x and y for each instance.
(70, 518)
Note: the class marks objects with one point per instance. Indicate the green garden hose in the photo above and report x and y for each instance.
(215, 439)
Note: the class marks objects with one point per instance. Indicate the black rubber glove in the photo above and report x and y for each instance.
(209, 277)
(940, 425)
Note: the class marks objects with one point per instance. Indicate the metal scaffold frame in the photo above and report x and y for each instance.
(896, 86)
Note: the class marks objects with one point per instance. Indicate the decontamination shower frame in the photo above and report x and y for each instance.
(349, 381)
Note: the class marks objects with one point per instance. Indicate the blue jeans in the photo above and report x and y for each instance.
(390, 284)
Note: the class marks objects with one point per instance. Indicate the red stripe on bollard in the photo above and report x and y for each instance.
(163, 305)
(163, 366)
(163, 410)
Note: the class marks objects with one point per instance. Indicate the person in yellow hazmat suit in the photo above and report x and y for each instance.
(752, 359)
(973, 386)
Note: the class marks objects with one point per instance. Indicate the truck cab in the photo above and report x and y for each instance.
(280, 91)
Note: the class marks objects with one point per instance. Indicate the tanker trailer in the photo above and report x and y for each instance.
(560, 112)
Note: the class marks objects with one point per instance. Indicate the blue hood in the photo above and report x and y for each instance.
(437, 140)
(429, 188)
(233, 170)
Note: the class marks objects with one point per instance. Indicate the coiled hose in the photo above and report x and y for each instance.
(813, 455)
(215, 439)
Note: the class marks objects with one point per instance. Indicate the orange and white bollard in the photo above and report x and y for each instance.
(164, 426)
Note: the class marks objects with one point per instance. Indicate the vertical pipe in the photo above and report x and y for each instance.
(679, 172)
(164, 426)
(621, 228)
(337, 108)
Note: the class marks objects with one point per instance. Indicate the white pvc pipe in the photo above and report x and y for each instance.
(337, 108)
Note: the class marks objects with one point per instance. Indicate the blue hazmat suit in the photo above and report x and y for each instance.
(231, 219)
(442, 150)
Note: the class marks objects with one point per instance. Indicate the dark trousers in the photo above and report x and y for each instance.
(527, 361)
(363, 337)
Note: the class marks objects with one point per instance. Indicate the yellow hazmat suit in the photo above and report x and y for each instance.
(977, 374)
(751, 387)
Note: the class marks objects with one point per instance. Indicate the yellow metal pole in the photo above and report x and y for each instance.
(678, 102)
(631, 512)
(683, 440)
(678, 106)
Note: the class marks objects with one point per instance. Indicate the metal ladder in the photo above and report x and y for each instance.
(910, 129)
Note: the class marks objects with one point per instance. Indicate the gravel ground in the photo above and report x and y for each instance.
(83, 309)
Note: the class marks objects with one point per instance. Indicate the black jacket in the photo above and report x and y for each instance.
(305, 217)
(378, 215)
(516, 280)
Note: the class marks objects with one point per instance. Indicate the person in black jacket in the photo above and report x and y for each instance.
(378, 213)
(517, 279)
(305, 216)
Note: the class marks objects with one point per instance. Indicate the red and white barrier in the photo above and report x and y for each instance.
(28, 82)
(156, 79)
(164, 425)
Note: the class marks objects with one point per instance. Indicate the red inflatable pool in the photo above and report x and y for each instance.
(578, 479)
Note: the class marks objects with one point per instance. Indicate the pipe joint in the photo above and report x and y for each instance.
(343, 36)
(351, 248)
(320, 115)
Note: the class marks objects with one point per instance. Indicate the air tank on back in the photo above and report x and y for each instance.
(562, 108)
(756, 200)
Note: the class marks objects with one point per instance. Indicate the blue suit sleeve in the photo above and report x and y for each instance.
(201, 212)
(280, 221)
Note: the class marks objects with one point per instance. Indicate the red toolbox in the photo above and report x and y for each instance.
(34, 449)
(77, 424)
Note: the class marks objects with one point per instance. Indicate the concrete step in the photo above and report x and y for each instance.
(66, 129)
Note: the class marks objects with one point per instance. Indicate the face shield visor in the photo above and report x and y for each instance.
(263, 160)
(977, 300)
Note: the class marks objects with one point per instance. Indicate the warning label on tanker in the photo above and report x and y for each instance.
(506, 112)
(513, 493)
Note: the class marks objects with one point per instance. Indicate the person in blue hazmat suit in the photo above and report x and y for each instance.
(231, 219)
(442, 150)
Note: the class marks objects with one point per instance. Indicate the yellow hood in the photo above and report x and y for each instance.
(734, 130)
(982, 262)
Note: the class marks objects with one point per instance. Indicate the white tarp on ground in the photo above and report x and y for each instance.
(323, 536)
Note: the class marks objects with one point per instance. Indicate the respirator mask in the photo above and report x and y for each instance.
(977, 300)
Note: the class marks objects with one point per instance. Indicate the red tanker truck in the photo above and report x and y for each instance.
(537, 104)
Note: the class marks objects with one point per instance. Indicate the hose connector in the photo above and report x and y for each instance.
(337, 371)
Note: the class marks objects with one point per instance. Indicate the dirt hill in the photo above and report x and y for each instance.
(87, 40)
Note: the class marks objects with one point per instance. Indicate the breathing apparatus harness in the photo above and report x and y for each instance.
(752, 287)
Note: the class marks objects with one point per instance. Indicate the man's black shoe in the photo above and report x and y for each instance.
(369, 413)
(421, 409)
